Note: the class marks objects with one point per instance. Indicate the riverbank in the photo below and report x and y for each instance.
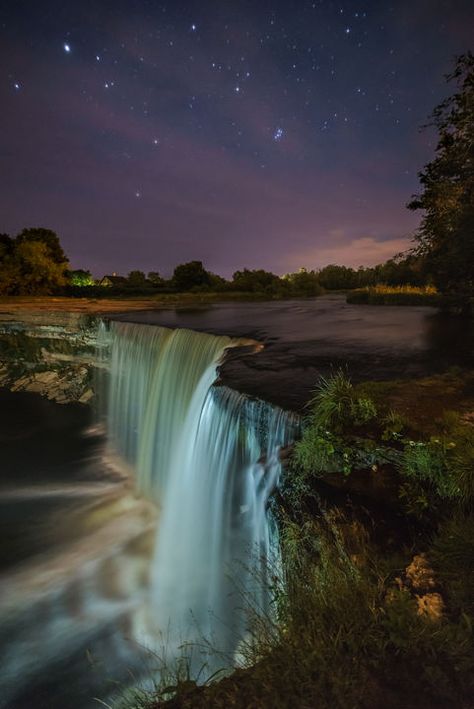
(114, 304)
(377, 532)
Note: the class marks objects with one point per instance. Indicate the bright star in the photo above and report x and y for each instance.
(67, 48)
(155, 141)
(97, 57)
(348, 29)
(138, 195)
(278, 134)
(237, 89)
(193, 28)
(16, 86)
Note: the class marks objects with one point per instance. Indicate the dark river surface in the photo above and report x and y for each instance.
(308, 337)
(75, 541)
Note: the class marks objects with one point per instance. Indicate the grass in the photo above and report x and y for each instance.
(395, 295)
(348, 633)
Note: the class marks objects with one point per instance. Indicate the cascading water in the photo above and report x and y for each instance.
(154, 372)
(210, 456)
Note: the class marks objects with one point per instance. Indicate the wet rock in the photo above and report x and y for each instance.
(86, 397)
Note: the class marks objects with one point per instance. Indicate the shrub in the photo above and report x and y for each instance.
(395, 295)
(427, 463)
(332, 401)
(363, 411)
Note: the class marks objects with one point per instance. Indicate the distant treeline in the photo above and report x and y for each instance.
(34, 263)
(194, 277)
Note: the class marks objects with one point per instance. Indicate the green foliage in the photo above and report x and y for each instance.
(137, 279)
(400, 270)
(334, 277)
(415, 499)
(322, 449)
(47, 237)
(80, 278)
(363, 411)
(444, 239)
(32, 264)
(31, 270)
(256, 281)
(316, 452)
(332, 401)
(394, 425)
(155, 279)
(335, 405)
(452, 556)
(428, 463)
(190, 275)
(461, 466)
(303, 283)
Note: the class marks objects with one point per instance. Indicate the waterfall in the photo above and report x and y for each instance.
(210, 457)
(154, 372)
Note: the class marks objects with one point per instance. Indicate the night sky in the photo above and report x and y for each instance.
(261, 134)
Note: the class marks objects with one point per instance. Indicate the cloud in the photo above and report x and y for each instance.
(362, 251)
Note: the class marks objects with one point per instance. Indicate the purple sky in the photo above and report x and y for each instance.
(262, 135)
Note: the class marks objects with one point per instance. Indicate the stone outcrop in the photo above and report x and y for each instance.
(54, 355)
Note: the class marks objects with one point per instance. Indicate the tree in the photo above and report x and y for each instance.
(137, 279)
(33, 263)
(6, 247)
(155, 279)
(80, 277)
(47, 237)
(256, 281)
(445, 238)
(303, 283)
(335, 277)
(190, 275)
(30, 270)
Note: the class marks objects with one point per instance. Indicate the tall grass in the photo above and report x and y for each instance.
(395, 295)
(345, 635)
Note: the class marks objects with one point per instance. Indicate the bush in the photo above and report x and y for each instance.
(426, 462)
(332, 401)
(335, 405)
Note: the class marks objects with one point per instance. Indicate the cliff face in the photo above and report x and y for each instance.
(53, 354)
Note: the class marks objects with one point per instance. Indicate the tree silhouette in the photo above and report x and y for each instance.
(445, 238)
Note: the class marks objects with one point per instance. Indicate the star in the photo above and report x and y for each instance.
(193, 27)
(138, 195)
(67, 48)
(16, 86)
(278, 134)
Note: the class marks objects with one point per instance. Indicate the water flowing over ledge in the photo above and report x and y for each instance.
(210, 457)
